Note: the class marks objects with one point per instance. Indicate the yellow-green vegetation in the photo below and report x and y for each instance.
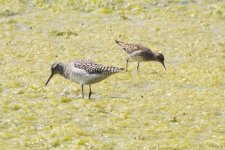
(180, 108)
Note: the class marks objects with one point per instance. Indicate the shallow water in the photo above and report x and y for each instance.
(180, 108)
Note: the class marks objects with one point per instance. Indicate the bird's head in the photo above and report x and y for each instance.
(160, 58)
(56, 68)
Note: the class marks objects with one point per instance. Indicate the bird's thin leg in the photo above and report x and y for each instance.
(138, 67)
(127, 63)
(82, 90)
(89, 96)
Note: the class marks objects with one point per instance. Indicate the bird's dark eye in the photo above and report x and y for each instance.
(53, 67)
(161, 57)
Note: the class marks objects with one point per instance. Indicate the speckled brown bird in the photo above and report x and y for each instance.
(84, 72)
(140, 53)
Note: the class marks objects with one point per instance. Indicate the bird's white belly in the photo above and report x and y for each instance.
(136, 58)
(83, 77)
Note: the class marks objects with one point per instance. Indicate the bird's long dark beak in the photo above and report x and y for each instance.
(48, 79)
(164, 65)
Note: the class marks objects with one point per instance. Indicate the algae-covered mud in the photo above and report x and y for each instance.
(180, 108)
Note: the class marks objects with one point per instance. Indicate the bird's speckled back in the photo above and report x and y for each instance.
(93, 68)
(131, 48)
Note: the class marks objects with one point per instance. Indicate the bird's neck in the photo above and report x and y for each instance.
(61, 70)
(151, 57)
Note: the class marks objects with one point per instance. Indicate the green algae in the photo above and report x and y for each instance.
(65, 99)
(180, 108)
